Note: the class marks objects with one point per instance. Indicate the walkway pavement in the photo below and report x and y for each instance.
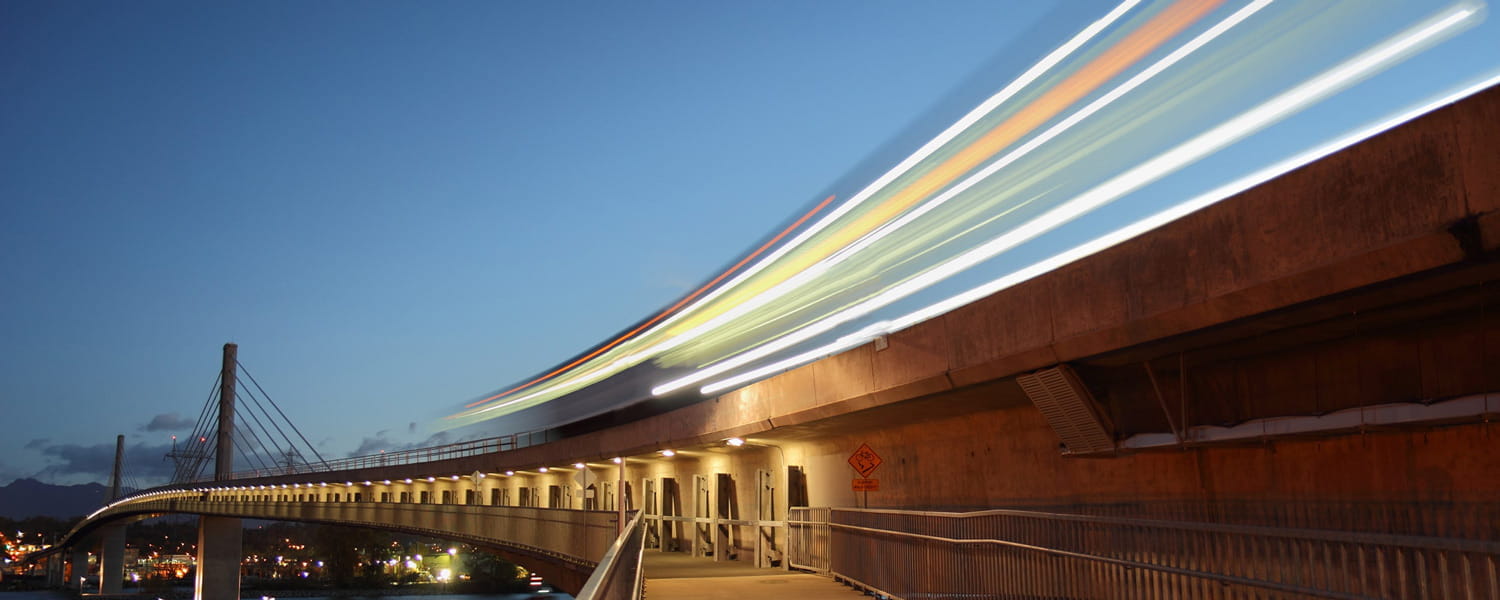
(674, 575)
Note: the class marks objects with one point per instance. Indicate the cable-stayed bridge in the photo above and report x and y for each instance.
(1278, 387)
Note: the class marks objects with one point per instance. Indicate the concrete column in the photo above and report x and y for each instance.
(112, 559)
(78, 567)
(219, 541)
(112, 546)
(54, 571)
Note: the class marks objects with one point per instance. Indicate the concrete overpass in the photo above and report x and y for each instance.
(1290, 391)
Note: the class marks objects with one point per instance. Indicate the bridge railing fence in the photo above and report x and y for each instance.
(405, 457)
(1012, 553)
(580, 537)
(807, 539)
(621, 573)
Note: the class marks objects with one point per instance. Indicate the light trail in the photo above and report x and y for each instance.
(1028, 77)
(1058, 216)
(1161, 28)
(1261, 116)
(957, 202)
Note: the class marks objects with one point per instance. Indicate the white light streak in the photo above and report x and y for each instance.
(1235, 129)
(1046, 222)
(1057, 129)
(989, 105)
(973, 116)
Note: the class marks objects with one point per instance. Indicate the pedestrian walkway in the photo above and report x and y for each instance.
(674, 575)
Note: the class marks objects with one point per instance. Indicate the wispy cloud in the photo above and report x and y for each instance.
(167, 422)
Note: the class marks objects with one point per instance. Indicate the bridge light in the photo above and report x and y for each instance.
(579, 466)
(387, 482)
(431, 479)
(542, 470)
(455, 478)
(351, 483)
(408, 480)
(617, 460)
(509, 473)
(369, 483)
(669, 453)
(736, 442)
(323, 484)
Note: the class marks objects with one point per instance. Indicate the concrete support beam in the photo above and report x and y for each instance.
(78, 567)
(54, 571)
(219, 541)
(112, 559)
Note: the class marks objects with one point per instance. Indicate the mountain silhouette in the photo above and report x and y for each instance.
(30, 498)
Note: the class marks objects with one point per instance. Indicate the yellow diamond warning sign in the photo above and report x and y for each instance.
(864, 460)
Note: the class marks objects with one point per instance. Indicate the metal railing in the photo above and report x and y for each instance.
(579, 537)
(404, 457)
(1013, 553)
(620, 574)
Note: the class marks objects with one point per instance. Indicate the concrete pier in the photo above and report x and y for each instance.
(112, 559)
(78, 567)
(219, 540)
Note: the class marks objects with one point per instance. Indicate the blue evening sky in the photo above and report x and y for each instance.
(395, 207)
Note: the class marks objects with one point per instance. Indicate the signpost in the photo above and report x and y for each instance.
(864, 460)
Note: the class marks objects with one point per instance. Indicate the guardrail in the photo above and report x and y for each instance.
(620, 574)
(1012, 553)
(578, 537)
(404, 457)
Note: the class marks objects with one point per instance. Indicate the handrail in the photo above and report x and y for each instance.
(620, 575)
(911, 553)
(409, 456)
(575, 536)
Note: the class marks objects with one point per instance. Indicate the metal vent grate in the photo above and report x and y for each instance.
(1069, 409)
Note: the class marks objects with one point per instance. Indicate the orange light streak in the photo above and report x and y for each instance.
(1157, 31)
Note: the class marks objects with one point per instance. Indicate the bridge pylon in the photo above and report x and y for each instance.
(112, 537)
(220, 539)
